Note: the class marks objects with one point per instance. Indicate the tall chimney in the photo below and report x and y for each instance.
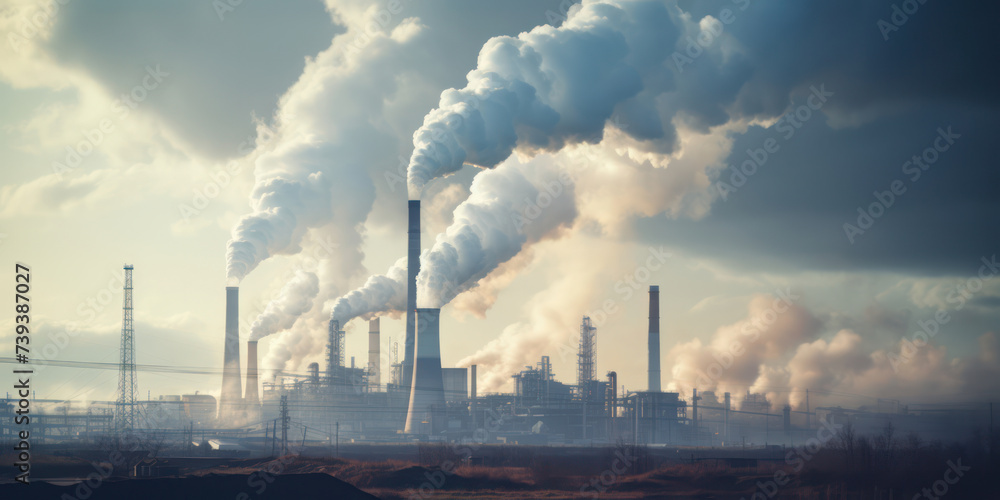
(412, 269)
(251, 399)
(230, 400)
(424, 414)
(374, 366)
(654, 338)
(725, 419)
(472, 392)
(334, 353)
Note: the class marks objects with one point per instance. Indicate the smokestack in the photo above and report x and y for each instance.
(334, 352)
(252, 400)
(412, 270)
(374, 366)
(230, 400)
(472, 392)
(725, 420)
(424, 412)
(654, 338)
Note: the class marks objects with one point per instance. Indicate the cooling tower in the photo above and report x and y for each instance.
(374, 366)
(230, 400)
(412, 269)
(252, 400)
(425, 411)
(654, 338)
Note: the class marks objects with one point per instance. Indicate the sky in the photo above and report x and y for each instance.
(809, 185)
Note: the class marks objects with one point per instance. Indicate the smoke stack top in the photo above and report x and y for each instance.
(654, 339)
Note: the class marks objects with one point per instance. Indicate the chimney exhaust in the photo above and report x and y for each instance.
(230, 399)
(424, 413)
(654, 338)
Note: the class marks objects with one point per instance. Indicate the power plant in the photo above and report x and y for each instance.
(421, 400)
(424, 400)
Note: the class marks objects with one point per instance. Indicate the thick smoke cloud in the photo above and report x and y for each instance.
(509, 207)
(551, 317)
(298, 186)
(294, 300)
(380, 294)
(781, 354)
(331, 135)
(512, 206)
(550, 87)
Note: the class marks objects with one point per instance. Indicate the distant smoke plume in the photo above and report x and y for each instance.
(294, 300)
(550, 87)
(793, 351)
(380, 294)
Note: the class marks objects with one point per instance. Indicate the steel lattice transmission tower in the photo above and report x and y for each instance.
(125, 411)
(585, 356)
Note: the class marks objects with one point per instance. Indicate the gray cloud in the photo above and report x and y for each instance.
(221, 73)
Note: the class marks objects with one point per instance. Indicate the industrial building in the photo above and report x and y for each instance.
(421, 400)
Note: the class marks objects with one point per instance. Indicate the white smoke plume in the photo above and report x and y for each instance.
(294, 300)
(509, 207)
(381, 293)
(479, 299)
(297, 187)
(550, 87)
(330, 137)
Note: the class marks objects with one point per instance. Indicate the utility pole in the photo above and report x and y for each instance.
(694, 413)
(284, 425)
(338, 440)
(274, 436)
(725, 425)
(807, 408)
